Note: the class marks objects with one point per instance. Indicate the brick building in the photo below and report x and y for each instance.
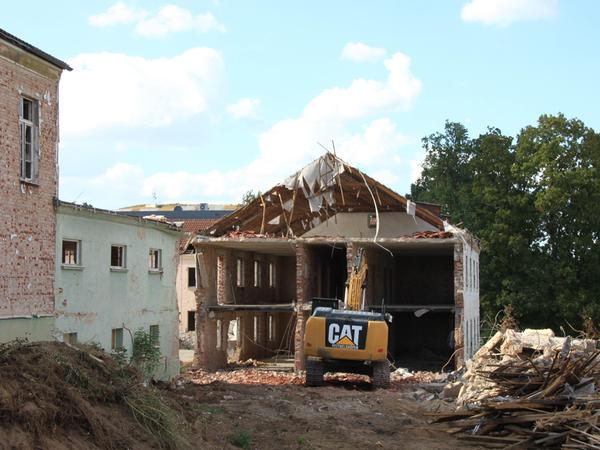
(29, 81)
(260, 267)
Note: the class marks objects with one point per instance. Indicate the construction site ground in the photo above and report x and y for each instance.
(258, 408)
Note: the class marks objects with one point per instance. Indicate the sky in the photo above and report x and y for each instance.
(201, 101)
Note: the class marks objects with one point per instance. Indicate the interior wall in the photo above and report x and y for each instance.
(248, 294)
(356, 225)
(424, 340)
(423, 343)
(330, 271)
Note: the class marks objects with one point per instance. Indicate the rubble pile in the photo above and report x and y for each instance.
(245, 376)
(432, 235)
(530, 390)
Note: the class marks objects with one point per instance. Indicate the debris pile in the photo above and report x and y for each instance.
(432, 235)
(56, 396)
(531, 390)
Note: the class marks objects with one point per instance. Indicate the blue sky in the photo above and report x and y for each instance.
(199, 101)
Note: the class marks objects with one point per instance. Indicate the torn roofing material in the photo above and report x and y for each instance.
(319, 190)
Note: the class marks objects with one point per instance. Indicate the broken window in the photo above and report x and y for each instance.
(257, 274)
(29, 124)
(70, 338)
(191, 277)
(71, 252)
(155, 262)
(117, 256)
(155, 335)
(272, 279)
(116, 341)
(239, 271)
(191, 321)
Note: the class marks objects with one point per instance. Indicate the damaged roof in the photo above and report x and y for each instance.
(325, 187)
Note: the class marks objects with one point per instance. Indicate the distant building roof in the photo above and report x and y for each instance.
(181, 215)
(6, 36)
(196, 225)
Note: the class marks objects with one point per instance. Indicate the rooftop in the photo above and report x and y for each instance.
(6, 36)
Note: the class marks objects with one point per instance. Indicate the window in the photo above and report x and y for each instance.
(272, 279)
(271, 329)
(219, 334)
(71, 252)
(29, 122)
(239, 271)
(117, 256)
(155, 259)
(116, 341)
(191, 277)
(70, 338)
(155, 335)
(257, 274)
(191, 321)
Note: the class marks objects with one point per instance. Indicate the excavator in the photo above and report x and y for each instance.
(350, 339)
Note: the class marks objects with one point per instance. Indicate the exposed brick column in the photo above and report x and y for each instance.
(206, 295)
(301, 301)
(459, 357)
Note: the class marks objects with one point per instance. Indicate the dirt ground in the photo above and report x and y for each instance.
(236, 411)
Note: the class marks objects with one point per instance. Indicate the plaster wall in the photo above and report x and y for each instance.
(92, 299)
(355, 225)
(186, 296)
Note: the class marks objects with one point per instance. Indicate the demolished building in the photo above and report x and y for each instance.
(260, 267)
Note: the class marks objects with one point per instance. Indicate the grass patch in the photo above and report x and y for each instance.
(241, 439)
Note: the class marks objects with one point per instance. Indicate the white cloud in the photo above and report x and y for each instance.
(505, 12)
(114, 90)
(169, 19)
(365, 97)
(374, 143)
(292, 142)
(172, 18)
(357, 51)
(117, 14)
(243, 108)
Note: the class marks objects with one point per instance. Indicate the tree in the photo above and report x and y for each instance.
(249, 197)
(535, 204)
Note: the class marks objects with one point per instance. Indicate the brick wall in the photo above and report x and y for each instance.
(27, 220)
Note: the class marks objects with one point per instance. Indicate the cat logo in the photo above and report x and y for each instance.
(346, 335)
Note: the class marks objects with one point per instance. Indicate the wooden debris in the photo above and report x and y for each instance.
(528, 390)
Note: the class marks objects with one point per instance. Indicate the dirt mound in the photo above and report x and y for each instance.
(55, 396)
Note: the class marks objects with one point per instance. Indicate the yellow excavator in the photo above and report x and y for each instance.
(349, 340)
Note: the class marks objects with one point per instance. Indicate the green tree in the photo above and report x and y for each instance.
(534, 203)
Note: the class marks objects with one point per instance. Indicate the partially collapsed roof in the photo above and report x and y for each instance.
(321, 189)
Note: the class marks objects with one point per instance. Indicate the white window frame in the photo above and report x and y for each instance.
(257, 273)
(123, 257)
(114, 344)
(33, 125)
(152, 260)
(195, 277)
(272, 275)
(77, 262)
(239, 271)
